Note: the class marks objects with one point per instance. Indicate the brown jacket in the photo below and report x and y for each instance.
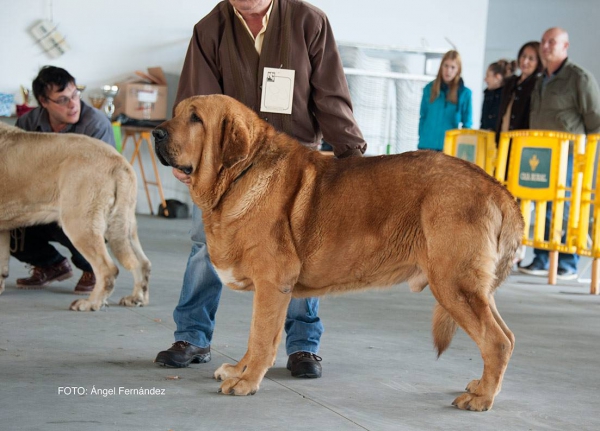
(221, 59)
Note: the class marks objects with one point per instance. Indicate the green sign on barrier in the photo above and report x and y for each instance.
(466, 152)
(535, 166)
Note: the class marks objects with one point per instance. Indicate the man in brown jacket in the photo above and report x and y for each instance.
(232, 49)
(567, 99)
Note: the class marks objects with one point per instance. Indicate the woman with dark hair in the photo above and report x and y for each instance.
(516, 95)
(446, 104)
(516, 99)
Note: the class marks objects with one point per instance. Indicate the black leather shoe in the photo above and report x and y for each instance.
(304, 364)
(182, 353)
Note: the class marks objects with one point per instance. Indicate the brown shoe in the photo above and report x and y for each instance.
(86, 283)
(305, 365)
(181, 354)
(42, 277)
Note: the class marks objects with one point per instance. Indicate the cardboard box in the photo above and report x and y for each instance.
(143, 97)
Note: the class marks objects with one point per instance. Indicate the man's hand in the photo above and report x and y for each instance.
(185, 179)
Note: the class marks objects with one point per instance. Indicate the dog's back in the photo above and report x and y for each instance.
(55, 170)
(392, 214)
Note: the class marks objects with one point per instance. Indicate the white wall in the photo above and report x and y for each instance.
(110, 39)
(425, 23)
(511, 23)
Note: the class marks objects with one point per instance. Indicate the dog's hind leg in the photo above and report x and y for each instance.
(462, 281)
(463, 296)
(4, 256)
(122, 235)
(124, 242)
(268, 316)
(87, 235)
(472, 386)
(500, 322)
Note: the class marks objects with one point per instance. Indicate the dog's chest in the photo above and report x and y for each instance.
(227, 277)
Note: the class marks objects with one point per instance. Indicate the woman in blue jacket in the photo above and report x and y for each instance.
(446, 104)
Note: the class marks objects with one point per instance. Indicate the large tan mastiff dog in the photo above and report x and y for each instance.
(89, 189)
(285, 221)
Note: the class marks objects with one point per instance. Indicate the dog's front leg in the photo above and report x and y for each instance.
(4, 256)
(268, 316)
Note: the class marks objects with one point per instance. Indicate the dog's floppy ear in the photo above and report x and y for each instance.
(235, 140)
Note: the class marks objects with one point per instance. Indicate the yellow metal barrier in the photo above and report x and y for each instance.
(537, 173)
(475, 146)
(590, 204)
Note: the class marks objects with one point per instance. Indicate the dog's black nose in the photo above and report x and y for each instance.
(159, 134)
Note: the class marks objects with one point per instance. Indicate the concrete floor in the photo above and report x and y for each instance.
(379, 368)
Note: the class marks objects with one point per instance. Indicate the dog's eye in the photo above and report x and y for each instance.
(195, 119)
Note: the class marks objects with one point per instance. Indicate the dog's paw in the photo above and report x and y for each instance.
(132, 301)
(1, 285)
(85, 305)
(474, 402)
(227, 371)
(472, 386)
(237, 386)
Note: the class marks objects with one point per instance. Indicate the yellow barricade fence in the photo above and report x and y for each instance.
(475, 146)
(537, 174)
(588, 240)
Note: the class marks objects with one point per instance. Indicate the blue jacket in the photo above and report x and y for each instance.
(440, 115)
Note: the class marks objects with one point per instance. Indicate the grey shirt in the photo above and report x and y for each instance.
(92, 122)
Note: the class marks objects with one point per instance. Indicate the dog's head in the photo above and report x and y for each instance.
(206, 135)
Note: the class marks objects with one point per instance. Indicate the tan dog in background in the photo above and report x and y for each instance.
(89, 189)
(285, 221)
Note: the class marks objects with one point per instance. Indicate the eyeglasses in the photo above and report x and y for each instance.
(64, 100)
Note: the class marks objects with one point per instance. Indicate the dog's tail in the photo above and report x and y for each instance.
(122, 225)
(124, 202)
(509, 239)
(443, 328)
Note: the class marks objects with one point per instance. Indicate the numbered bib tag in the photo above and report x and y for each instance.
(277, 90)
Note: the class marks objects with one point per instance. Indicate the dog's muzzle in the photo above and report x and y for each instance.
(161, 137)
(161, 148)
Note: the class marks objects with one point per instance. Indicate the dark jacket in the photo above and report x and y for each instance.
(222, 59)
(519, 114)
(490, 108)
(568, 102)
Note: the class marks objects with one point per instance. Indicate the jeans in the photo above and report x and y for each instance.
(33, 246)
(565, 260)
(201, 292)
